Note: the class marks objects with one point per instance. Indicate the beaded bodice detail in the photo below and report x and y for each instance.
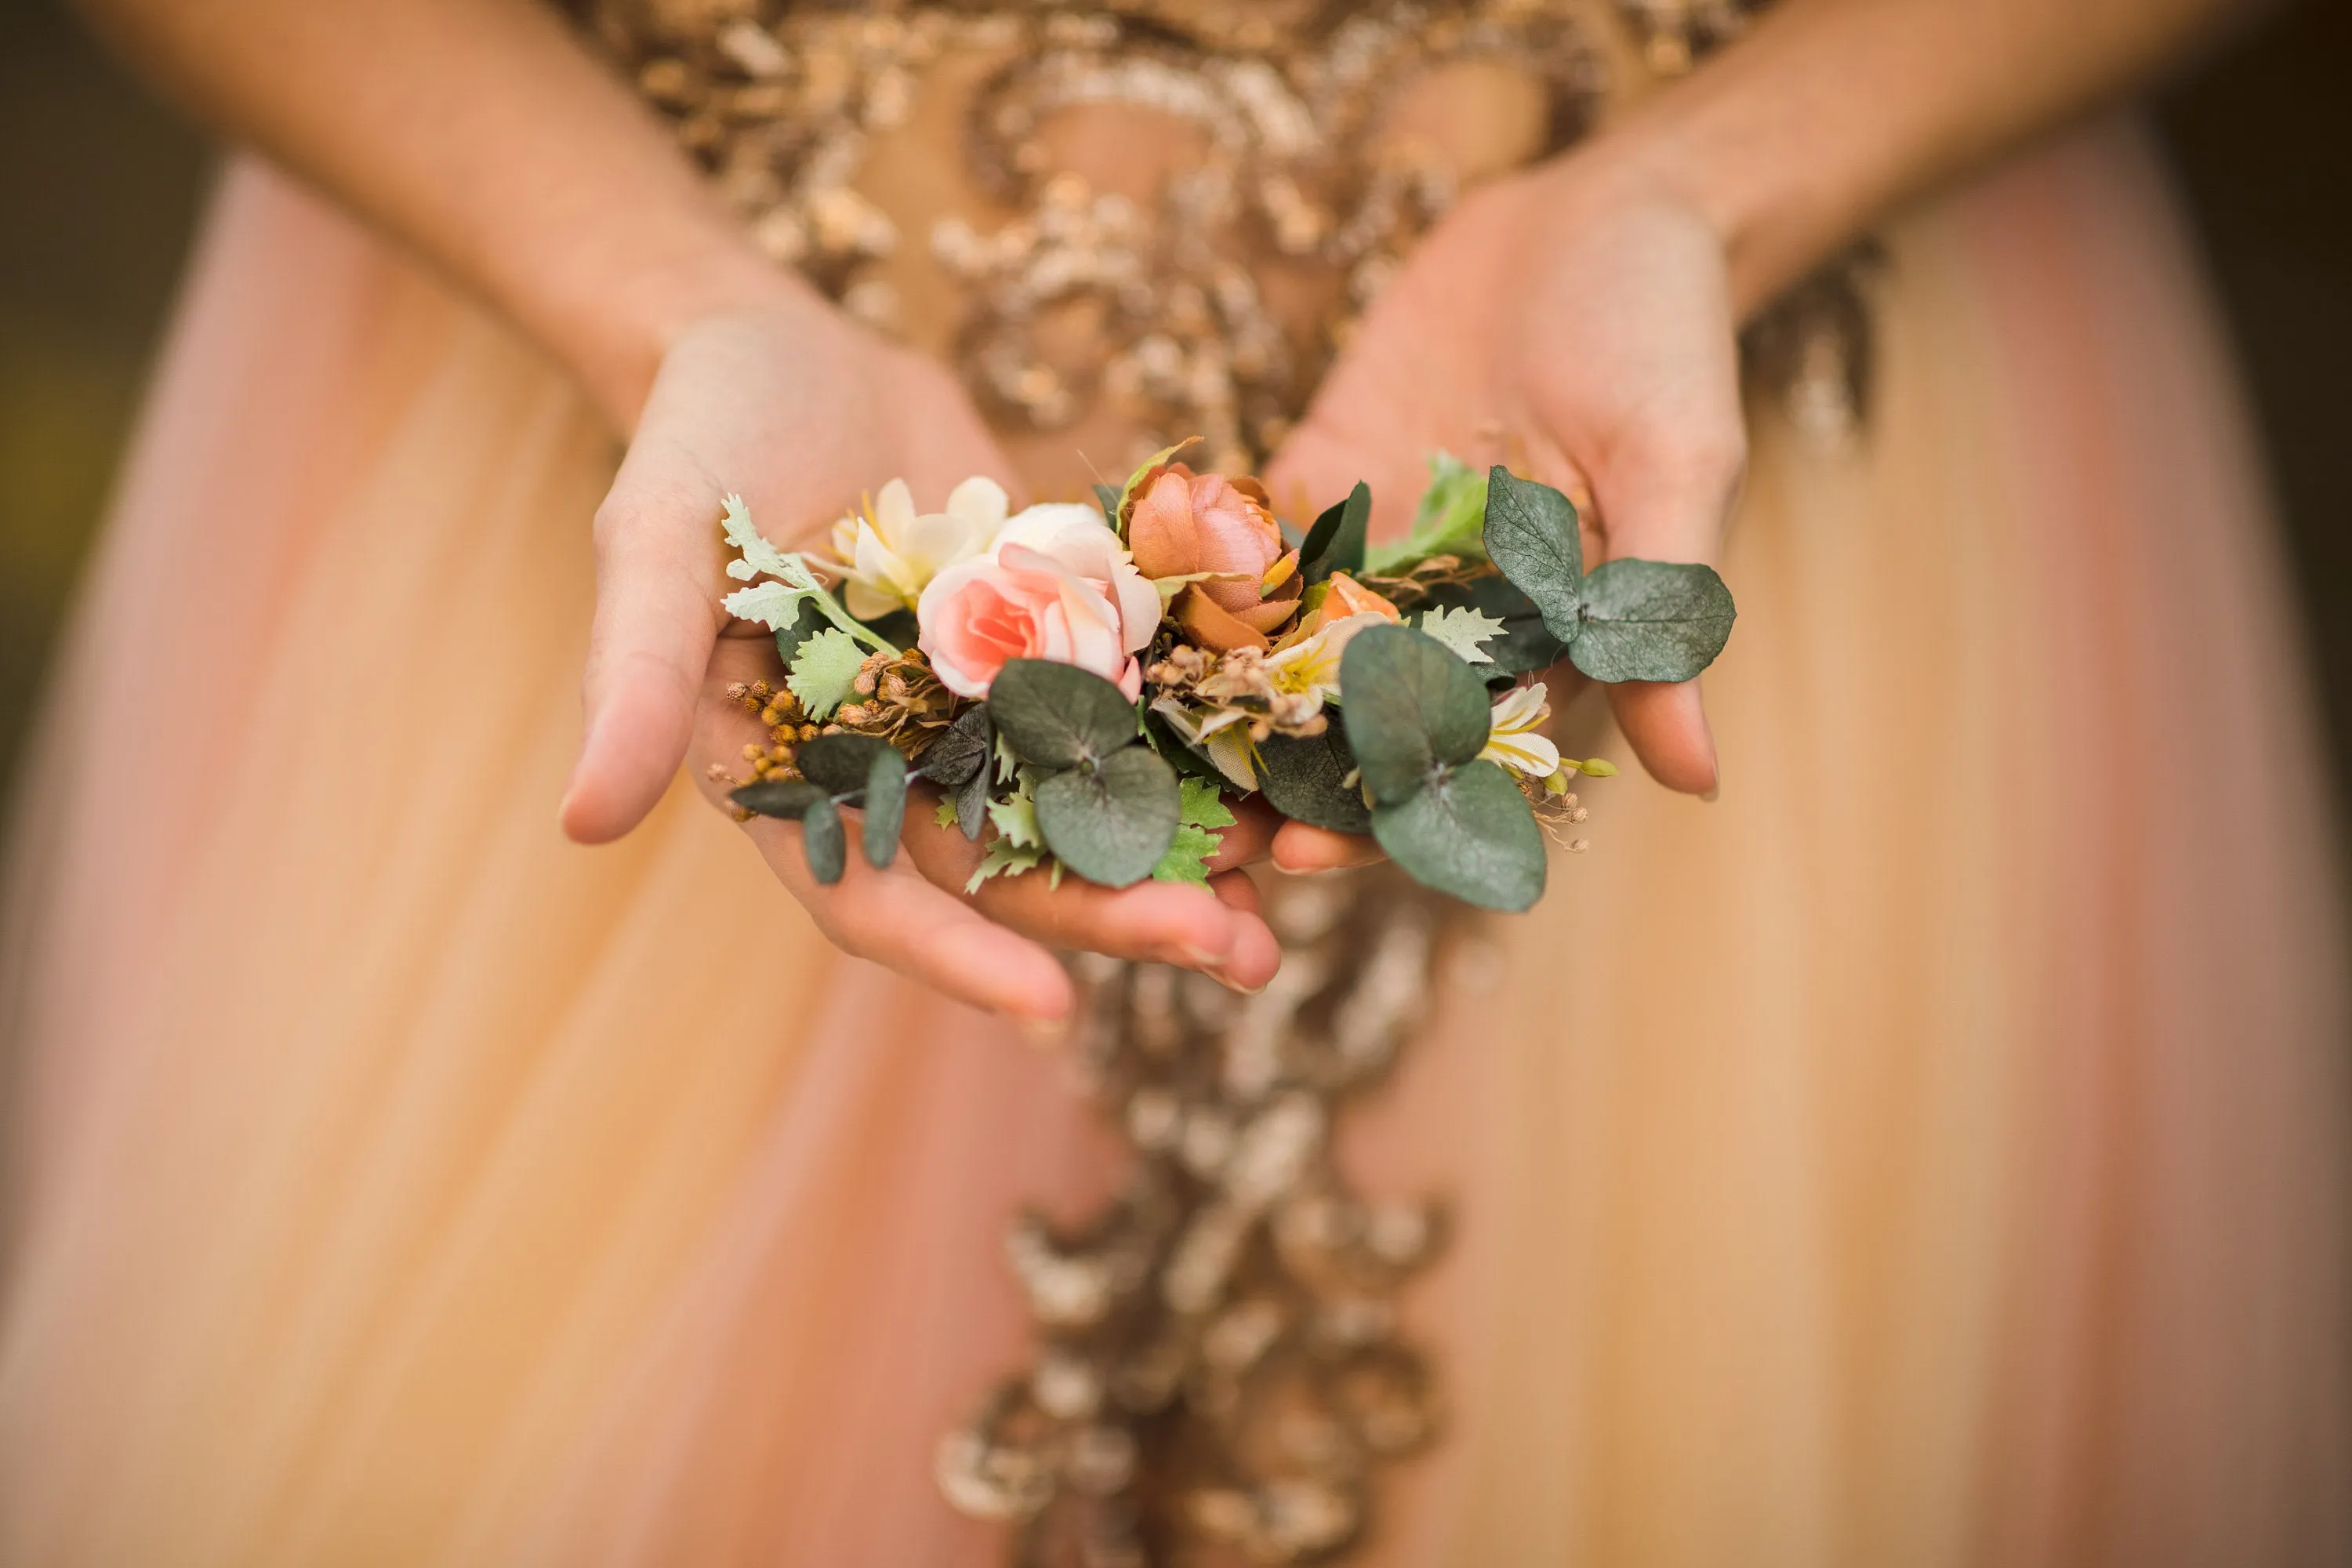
(1219, 1375)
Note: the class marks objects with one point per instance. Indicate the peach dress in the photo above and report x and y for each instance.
(1932, 1153)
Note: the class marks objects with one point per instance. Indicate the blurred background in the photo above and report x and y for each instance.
(100, 189)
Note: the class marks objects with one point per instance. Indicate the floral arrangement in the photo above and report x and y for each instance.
(1089, 685)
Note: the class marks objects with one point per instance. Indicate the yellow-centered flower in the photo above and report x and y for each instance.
(888, 552)
(1511, 738)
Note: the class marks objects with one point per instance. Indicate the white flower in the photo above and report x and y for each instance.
(1511, 738)
(889, 554)
(1310, 666)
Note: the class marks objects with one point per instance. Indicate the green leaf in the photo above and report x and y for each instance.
(808, 621)
(1412, 708)
(1112, 822)
(1200, 804)
(1449, 519)
(780, 605)
(840, 764)
(1015, 817)
(1532, 535)
(944, 814)
(823, 842)
(1336, 542)
(1305, 778)
(1106, 498)
(961, 752)
(1057, 715)
(1003, 857)
(886, 806)
(787, 798)
(1468, 832)
(1651, 620)
(1525, 644)
(1460, 630)
(1187, 860)
(823, 669)
(971, 804)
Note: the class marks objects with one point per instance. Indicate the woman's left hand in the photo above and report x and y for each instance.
(1574, 322)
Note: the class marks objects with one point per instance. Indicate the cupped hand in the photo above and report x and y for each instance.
(800, 411)
(1575, 322)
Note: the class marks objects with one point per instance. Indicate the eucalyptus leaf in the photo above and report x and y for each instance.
(1106, 498)
(1525, 645)
(1303, 778)
(1651, 620)
(886, 806)
(961, 752)
(840, 764)
(971, 804)
(787, 798)
(1412, 707)
(1336, 542)
(1110, 822)
(1467, 832)
(1057, 715)
(823, 842)
(1531, 536)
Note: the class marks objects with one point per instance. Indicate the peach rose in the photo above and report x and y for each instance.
(1057, 586)
(1182, 523)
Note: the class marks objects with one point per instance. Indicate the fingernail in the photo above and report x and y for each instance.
(1043, 1033)
(1714, 791)
(1199, 958)
(1233, 986)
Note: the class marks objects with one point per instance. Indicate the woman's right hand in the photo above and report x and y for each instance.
(799, 411)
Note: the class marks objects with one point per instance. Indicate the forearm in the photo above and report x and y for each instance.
(480, 133)
(1831, 112)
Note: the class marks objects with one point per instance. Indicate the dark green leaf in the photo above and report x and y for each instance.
(1301, 775)
(898, 627)
(1106, 498)
(1175, 749)
(787, 798)
(838, 765)
(806, 624)
(1110, 823)
(1531, 536)
(1651, 620)
(823, 842)
(1526, 644)
(885, 805)
(971, 804)
(1468, 833)
(1412, 706)
(1336, 542)
(961, 752)
(1057, 715)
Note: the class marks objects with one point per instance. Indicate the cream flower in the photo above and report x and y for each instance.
(1310, 666)
(1511, 738)
(889, 554)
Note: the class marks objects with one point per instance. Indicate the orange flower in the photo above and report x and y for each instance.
(1221, 533)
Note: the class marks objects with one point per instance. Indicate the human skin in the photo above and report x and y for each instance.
(1583, 311)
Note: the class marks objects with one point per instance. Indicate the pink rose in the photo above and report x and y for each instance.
(1057, 586)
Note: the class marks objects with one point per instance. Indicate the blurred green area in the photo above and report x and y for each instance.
(98, 189)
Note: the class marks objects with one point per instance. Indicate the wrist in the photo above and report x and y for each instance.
(613, 334)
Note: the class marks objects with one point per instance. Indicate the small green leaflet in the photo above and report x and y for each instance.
(1201, 809)
(777, 604)
(822, 670)
(1449, 519)
(944, 814)
(1017, 846)
(1461, 630)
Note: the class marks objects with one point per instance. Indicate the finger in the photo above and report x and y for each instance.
(1165, 922)
(657, 617)
(1667, 498)
(905, 924)
(1299, 847)
(1247, 840)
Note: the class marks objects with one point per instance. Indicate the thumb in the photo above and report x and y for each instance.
(656, 617)
(1671, 503)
